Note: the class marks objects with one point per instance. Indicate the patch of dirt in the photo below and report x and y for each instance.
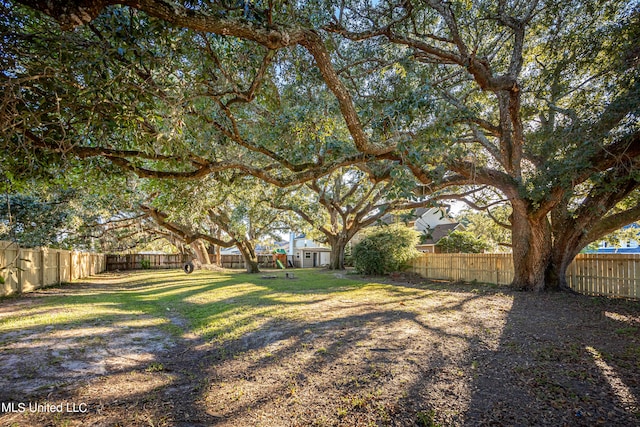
(433, 354)
(36, 362)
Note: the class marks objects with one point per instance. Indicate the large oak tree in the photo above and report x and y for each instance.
(538, 100)
(222, 213)
(343, 203)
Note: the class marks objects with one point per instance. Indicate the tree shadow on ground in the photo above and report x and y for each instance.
(561, 360)
(350, 353)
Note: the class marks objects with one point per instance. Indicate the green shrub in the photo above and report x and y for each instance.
(348, 256)
(145, 264)
(387, 250)
(462, 241)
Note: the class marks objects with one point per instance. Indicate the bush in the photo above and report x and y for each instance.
(145, 264)
(385, 251)
(462, 241)
(348, 256)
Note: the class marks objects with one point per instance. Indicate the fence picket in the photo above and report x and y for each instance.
(135, 261)
(36, 268)
(592, 274)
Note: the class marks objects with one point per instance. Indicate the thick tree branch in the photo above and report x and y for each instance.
(73, 13)
(272, 174)
(315, 45)
(612, 223)
(182, 231)
(618, 153)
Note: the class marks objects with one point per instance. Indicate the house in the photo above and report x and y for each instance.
(625, 245)
(233, 250)
(433, 236)
(432, 223)
(303, 252)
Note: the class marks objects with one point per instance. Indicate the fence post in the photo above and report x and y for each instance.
(43, 264)
(19, 268)
(451, 267)
(58, 268)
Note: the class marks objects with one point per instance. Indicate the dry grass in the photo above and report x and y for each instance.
(216, 348)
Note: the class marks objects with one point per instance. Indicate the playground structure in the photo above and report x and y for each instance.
(279, 258)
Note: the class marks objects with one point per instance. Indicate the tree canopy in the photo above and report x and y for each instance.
(462, 241)
(535, 102)
(344, 202)
(223, 213)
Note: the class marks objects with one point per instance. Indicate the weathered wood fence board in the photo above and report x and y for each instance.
(606, 274)
(236, 261)
(155, 261)
(31, 269)
(487, 268)
(161, 261)
(592, 274)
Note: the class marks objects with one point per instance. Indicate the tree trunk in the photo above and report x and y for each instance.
(218, 248)
(556, 274)
(531, 240)
(338, 245)
(249, 256)
(200, 249)
(567, 245)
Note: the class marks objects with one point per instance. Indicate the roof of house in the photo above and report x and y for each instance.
(421, 211)
(440, 231)
(285, 243)
(392, 218)
(314, 249)
(233, 250)
(616, 251)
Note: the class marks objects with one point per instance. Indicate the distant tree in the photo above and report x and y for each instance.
(73, 219)
(226, 213)
(346, 201)
(36, 220)
(462, 241)
(492, 226)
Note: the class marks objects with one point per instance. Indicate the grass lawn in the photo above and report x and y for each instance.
(214, 306)
(325, 348)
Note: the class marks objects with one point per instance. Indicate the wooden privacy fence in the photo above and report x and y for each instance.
(30, 269)
(486, 268)
(592, 274)
(616, 275)
(153, 261)
(140, 261)
(236, 261)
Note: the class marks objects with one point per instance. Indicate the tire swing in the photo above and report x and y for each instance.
(188, 267)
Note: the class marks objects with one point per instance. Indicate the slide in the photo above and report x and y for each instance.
(279, 264)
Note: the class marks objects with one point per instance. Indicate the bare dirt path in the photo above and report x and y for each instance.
(424, 355)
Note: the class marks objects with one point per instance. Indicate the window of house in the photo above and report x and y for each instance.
(307, 255)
